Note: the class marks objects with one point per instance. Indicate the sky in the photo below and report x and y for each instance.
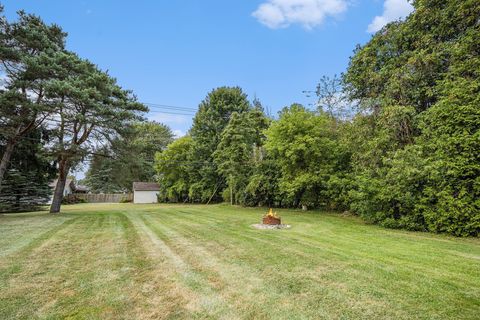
(173, 52)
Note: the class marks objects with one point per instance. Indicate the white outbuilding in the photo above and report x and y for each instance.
(145, 192)
(69, 188)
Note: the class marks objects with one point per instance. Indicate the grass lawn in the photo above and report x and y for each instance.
(126, 261)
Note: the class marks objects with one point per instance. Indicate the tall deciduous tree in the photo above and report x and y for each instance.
(209, 122)
(415, 148)
(333, 99)
(308, 154)
(235, 154)
(174, 170)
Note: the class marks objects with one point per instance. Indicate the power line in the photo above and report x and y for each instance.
(159, 109)
(165, 106)
(176, 113)
(164, 109)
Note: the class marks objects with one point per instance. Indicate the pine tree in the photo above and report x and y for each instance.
(26, 183)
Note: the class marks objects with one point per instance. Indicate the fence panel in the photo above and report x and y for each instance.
(104, 198)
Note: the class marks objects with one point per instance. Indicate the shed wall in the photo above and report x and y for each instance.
(145, 197)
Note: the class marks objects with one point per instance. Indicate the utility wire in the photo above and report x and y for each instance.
(158, 109)
(168, 112)
(164, 106)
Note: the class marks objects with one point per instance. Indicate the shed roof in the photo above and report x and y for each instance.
(146, 186)
(81, 188)
(53, 184)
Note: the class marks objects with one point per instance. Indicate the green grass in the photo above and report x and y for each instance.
(184, 262)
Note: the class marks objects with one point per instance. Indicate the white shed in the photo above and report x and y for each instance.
(69, 188)
(145, 192)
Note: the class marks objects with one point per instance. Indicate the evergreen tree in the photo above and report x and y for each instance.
(128, 159)
(29, 51)
(92, 109)
(26, 183)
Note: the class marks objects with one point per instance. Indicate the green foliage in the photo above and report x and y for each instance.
(128, 159)
(44, 84)
(451, 139)
(173, 167)
(211, 119)
(92, 109)
(263, 185)
(308, 154)
(391, 196)
(217, 160)
(29, 52)
(415, 146)
(72, 199)
(104, 173)
(235, 154)
(26, 183)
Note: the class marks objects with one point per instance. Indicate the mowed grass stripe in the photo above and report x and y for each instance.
(203, 300)
(152, 293)
(293, 287)
(205, 262)
(19, 230)
(76, 272)
(20, 280)
(414, 284)
(240, 287)
(12, 263)
(388, 252)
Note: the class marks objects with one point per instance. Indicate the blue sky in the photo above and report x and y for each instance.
(174, 52)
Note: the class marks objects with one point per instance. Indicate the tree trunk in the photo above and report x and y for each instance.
(63, 168)
(233, 188)
(298, 198)
(6, 159)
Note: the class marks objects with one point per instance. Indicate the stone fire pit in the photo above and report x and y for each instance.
(271, 226)
(271, 221)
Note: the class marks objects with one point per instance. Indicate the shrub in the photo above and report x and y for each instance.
(72, 199)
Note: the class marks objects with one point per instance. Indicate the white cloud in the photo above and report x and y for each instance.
(392, 10)
(308, 13)
(178, 133)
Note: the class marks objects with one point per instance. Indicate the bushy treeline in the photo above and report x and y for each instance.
(416, 150)
(408, 158)
(235, 153)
